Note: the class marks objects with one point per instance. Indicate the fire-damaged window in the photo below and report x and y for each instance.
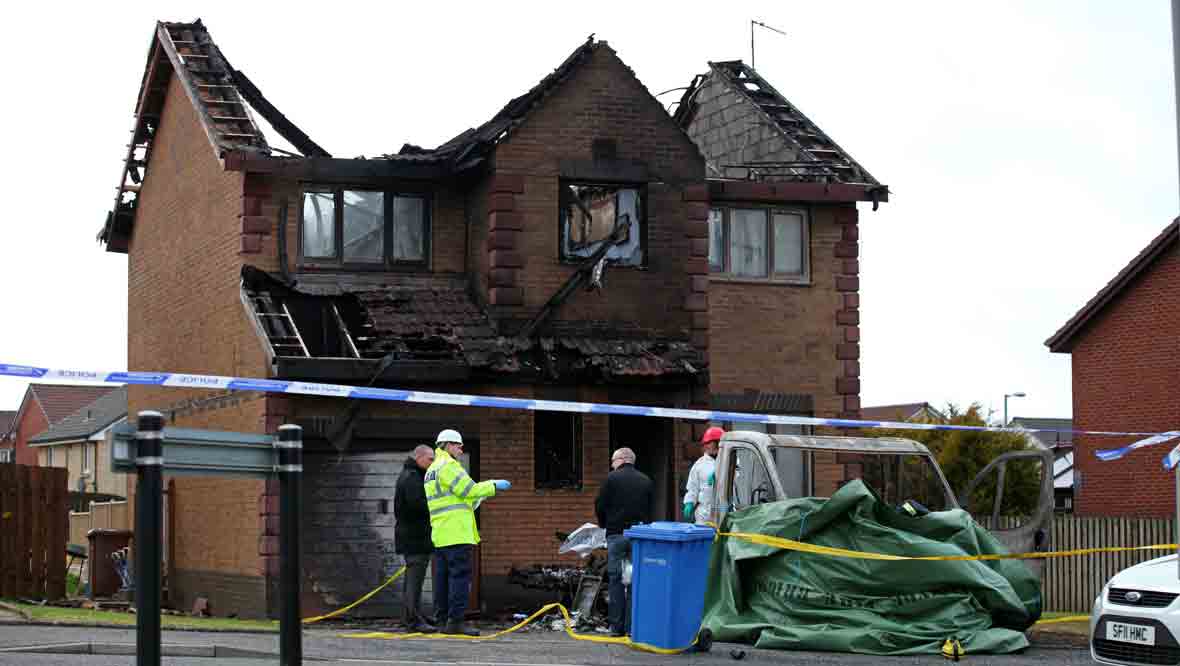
(557, 450)
(363, 228)
(591, 212)
(759, 243)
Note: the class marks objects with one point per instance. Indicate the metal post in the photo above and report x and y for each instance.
(149, 458)
(289, 447)
(752, 44)
(1178, 520)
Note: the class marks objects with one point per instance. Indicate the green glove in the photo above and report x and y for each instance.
(689, 508)
(712, 479)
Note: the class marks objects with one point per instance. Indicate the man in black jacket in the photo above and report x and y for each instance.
(624, 500)
(412, 535)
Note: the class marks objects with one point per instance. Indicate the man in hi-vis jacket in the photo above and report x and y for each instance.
(451, 496)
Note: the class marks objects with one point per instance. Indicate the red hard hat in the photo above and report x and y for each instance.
(713, 434)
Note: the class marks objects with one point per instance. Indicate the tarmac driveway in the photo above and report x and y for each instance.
(526, 650)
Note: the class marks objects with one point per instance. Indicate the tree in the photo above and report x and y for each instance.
(962, 454)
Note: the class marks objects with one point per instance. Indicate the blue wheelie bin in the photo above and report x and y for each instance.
(670, 563)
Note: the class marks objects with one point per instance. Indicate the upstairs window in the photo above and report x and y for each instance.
(590, 212)
(759, 244)
(363, 228)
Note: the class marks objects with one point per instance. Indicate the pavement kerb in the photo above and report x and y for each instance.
(17, 610)
(131, 627)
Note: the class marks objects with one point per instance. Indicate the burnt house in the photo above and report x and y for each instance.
(560, 250)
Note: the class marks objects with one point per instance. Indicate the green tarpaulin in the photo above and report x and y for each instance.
(785, 599)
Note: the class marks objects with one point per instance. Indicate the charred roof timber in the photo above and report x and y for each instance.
(427, 329)
(803, 153)
(222, 98)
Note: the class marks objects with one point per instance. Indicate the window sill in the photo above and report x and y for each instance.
(802, 282)
(312, 267)
(611, 264)
(559, 489)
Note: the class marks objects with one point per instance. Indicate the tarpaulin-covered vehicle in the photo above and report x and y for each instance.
(852, 493)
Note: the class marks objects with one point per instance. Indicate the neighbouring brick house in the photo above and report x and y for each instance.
(80, 443)
(1126, 364)
(7, 441)
(42, 406)
(462, 268)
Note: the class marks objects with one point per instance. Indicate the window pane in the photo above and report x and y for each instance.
(788, 243)
(364, 226)
(747, 243)
(716, 241)
(589, 214)
(409, 229)
(319, 224)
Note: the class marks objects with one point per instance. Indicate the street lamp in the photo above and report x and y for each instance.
(1018, 394)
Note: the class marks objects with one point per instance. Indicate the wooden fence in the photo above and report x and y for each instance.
(101, 516)
(1072, 583)
(33, 527)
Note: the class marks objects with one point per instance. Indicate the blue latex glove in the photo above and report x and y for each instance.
(689, 509)
(501, 484)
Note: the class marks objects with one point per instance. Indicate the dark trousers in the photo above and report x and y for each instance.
(618, 548)
(452, 582)
(412, 588)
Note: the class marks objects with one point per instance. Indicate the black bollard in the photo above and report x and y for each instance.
(149, 459)
(289, 447)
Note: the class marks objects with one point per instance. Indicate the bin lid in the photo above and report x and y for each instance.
(108, 532)
(670, 531)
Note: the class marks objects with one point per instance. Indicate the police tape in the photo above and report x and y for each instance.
(624, 640)
(761, 539)
(217, 382)
(803, 547)
(1067, 618)
(544, 610)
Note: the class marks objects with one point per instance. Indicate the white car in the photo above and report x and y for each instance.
(1136, 619)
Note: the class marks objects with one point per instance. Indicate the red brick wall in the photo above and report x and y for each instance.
(790, 338)
(184, 315)
(1125, 370)
(602, 99)
(32, 423)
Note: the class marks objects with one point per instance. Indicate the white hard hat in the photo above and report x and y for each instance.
(448, 435)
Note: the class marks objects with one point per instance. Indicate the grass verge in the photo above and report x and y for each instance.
(54, 615)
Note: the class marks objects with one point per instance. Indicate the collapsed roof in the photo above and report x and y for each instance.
(748, 130)
(427, 328)
(225, 101)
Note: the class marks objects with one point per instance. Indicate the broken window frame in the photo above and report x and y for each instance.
(566, 254)
(722, 267)
(388, 262)
(576, 477)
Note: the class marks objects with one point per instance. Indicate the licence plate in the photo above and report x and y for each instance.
(1130, 633)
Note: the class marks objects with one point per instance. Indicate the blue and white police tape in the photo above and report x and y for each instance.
(1170, 460)
(177, 379)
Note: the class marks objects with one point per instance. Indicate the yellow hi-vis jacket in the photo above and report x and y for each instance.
(451, 496)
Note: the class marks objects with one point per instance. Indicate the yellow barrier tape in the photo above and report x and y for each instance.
(621, 640)
(1067, 618)
(397, 574)
(790, 544)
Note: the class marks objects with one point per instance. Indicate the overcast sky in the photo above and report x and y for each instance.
(1030, 148)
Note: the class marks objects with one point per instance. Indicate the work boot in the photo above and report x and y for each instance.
(422, 627)
(460, 628)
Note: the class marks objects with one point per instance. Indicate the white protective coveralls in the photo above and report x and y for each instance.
(701, 479)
